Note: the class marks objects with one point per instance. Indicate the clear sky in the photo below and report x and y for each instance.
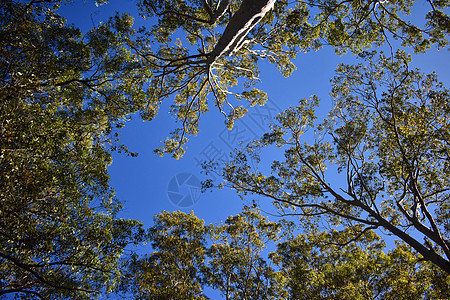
(147, 184)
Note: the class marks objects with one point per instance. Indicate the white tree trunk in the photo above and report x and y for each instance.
(248, 15)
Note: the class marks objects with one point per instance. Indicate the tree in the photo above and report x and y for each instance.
(62, 96)
(190, 256)
(386, 145)
(59, 235)
(174, 269)
(199, 51)
(333, 265)
(235, 262)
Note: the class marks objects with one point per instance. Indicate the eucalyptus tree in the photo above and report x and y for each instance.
(63, 94)
(61, 97)
(236, 264)
(174, 268)
(190, 259)
(199, 51)
(380, 158)
(189, 256)
(334, 265)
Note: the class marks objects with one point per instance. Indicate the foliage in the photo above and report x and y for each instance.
(60, 97)
(173, 270)
(236, 265)
(386, 138)
(199, 51)
(333, 265)
(190, 256)
(196, 52)
(63, 96)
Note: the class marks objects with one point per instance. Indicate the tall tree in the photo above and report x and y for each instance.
(380, 159)
(334, 265)
(62, 94)
(199, 51)
(60, 98)
(174, 269)
(236, 265)
(190, 256)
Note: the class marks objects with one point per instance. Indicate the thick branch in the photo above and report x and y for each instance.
(428, 254)
(40, 278)
(434, 234)
(248, 15)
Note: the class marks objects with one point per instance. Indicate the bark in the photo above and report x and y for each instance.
(220, 11)
(246, 17)
(428, 254)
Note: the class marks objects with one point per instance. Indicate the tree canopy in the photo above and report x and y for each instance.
(64, 95)
(386, 139)
(190, 256)
(199, 51)
(59, 237)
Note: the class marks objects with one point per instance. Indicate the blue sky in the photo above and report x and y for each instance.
(143, 182)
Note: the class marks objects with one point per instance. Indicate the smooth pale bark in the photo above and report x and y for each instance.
(248, 15)
(220, 11)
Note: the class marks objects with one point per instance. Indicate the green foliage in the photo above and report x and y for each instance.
(62, 96)
(59, 235)
(386, 138)
(356, 25)
(183, 56)
(235, 265)
(183, 48)
(189, 256)
(180, 57)
(347, 264)
(173, 270)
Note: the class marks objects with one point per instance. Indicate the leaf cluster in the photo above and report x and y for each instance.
(60, 98)
(386, 138)
(190, 256)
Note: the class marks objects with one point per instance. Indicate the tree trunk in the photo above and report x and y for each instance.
(427, 254)
(248, 15)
